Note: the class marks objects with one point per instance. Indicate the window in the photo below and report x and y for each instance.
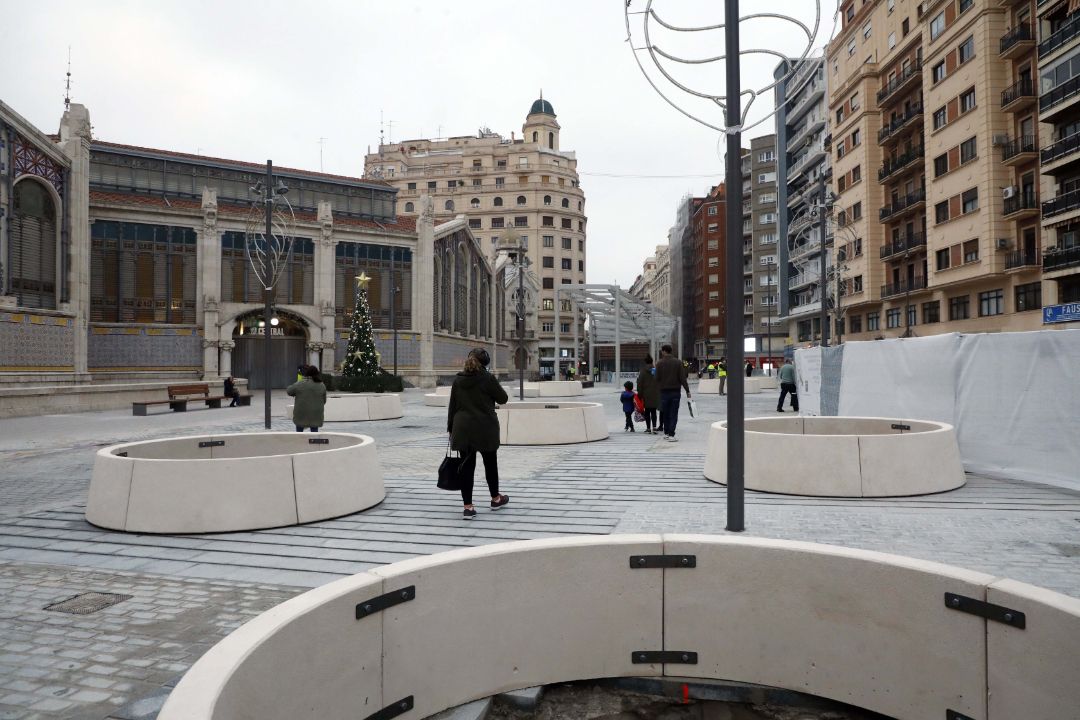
(968, 150)
(714, 278)
(856, 211)
(965, 4)
(567, 224)
(941, 211)
(714, 262)
(892, 318)
(548, 304)
(714, 244)
(941, 259)
(500, 163)
(767, 219)
(566, 244)
(449, 204)
(959, 308)
(892, 40)
(566, 203)
(966, 50)
(866, 31)
(547, 221)
(712, 227)
(581, 265)
(549, 283)
(714, 294)
(500, 182)
(566, 265)
(496, 223)
(991, 302)
(856, 323)
(523, 241)
(547, 199)
(971, 251)
(937, 26)
(856, 138)
(520, 199)
(474, 223)
(941, 166)
(497, 202)
(853, 102)
(856, 174)
(451, 183)
(766, 198)
(856, 284)
(931, 312)
(548, 326)
(851, 47)
(940, 118)
(581, 245)
(937, 73)
(523, 162)
(1028, 297)
(409, 207)
(523, 179)
(969, 200)
(549, 261)
(840, 116)
(564, 327)
(873, 321)
(905, 27)
(712, 209)
(967, 100)
(768, 238)
(767, 156)
(521, 221)
(549, 241)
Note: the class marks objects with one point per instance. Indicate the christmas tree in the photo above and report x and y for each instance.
(361, 360)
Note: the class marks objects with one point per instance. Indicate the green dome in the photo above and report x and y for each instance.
(542, 106)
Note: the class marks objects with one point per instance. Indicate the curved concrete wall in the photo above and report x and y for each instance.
(865, 628)
(549, 388)
(557, 423)
(841, 457)
(439, 398)
(176, 486)
(345, 407)
(708, 386)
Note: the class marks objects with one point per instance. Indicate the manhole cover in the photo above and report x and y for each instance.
(87, 603)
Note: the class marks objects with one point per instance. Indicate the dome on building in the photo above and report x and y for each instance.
(542, 106)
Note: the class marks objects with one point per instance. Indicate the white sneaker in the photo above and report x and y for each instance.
(670, 438)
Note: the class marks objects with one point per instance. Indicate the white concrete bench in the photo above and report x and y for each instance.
(842, 456)
(221, 483)
(439, 398)
(551, 423)
(881, 632)
(358, 407)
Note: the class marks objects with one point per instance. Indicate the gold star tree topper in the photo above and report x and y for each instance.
(362, 280)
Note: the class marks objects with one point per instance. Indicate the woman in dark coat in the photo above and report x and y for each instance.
(474, 426)
(650, 394)
(310, 394)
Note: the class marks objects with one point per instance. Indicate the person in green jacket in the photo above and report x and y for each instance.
(474, 427)
(650, 395)
(310, 394)
(787, 385)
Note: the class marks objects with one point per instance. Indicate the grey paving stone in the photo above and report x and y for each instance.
(144, 708)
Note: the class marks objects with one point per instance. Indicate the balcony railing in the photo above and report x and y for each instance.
(899, 162)
(1022, 88)
(903, 244)
(1061, 148)
(1018, 146)
(902, 203)
(913, 70)
(1055, 258)
(1021, 258)
(904, 286)
(1021, 201)
(1061, 37)
(1060, 94)
(900, 121)
(1020, 33)
(1061, 204)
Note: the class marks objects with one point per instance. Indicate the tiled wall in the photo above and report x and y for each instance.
(39, 343)
(137, 347)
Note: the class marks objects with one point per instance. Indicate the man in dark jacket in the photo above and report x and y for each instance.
(670, 376)
(474, 426)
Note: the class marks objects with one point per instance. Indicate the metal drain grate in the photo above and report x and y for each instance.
(86, 603)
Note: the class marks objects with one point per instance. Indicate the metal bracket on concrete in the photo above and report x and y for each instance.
(997, 613)
(901, 427)
(390, 599)
(393, 710)
(953, 715)
(211, 443)
(662, 561)
(669, 657)
(122, 454)
(318, 441)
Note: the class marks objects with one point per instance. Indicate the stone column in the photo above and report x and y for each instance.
(423, 273)
(210, 358)
(492, 324)
(315, 354)
(324, 291)
(75, 144)
(226, 347)
(208, 281)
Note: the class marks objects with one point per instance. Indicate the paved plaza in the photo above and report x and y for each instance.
(187, 592)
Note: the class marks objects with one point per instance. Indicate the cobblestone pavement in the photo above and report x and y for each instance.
(189, 591)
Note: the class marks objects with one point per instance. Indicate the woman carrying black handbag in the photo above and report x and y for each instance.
(474, 426)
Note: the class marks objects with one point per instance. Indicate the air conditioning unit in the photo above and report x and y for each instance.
(1009, 192)
(1003, 243)
(1001, 140)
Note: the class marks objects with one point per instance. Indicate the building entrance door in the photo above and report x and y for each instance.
(288, 341)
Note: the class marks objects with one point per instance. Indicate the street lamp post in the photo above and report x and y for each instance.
(520, 311)
(772, 303)
(823, 229)
(393, 303)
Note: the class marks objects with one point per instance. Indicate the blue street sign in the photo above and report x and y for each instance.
(1069, 312)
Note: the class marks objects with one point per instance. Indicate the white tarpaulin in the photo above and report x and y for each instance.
(808, 380)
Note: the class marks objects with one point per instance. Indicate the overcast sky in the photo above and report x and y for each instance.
(251, 81)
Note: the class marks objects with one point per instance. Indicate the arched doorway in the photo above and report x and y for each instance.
(288, 340)
(33, 246)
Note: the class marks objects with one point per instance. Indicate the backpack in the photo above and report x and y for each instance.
(639, 404)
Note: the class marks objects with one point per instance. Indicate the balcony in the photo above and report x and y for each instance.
(811, 95)
(891, 167)
(1021, 259)
(1062, 204)
(1018, 96)
(903, 205)
(1060, 150)
(797, 281)
(1062, 37)
(806, 248)
(814, 153)
(899, 122)
(1022, 205)
(1019, 150)
(1052, 103)
(898, 83)
(903, 245)
(812, 124)
(1017, 42)
(903, 287)
(1055, 258)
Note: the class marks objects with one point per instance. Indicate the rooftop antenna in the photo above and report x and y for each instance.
(67, 85)
(321, 141)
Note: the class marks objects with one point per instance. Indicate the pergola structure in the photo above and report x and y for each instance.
(615, 317)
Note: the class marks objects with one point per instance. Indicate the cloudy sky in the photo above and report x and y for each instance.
(252, 81)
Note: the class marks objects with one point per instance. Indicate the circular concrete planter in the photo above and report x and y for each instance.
(221, 483)
(552, 388)
(358, 407)
(559, 423)
(712, 387)
(439, 398)
(842, 456)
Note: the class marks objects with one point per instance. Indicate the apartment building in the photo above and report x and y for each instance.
(746, 166)
(802, 130)
(517, 190)
(919, 93)
(1058, 59)
(681, 258)
(709, 243)
(765, 326)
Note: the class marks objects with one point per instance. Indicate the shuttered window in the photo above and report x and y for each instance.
(33, 246)
(296, 286)
(350, 260)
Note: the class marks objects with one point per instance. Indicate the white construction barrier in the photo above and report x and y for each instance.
(906, 638)
(222, 483)
(555, 423)
(842, 456)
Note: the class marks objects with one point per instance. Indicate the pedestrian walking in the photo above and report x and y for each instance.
(721, 371)
(787, 385)
(231, 391)
(649, 392)
(474, 427)
(711, 369)
(627, 398)
(749, 368)
(670, 377)
(310, 394)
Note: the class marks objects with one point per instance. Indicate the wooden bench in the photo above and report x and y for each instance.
(180, 395)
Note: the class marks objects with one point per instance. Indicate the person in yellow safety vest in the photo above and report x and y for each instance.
(721, 369)
(712, 371)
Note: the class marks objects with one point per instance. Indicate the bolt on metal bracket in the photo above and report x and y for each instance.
(638, 562)
(669, 657)
(382, 602)
(392, 710)
(953, 715)
(990, 611)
